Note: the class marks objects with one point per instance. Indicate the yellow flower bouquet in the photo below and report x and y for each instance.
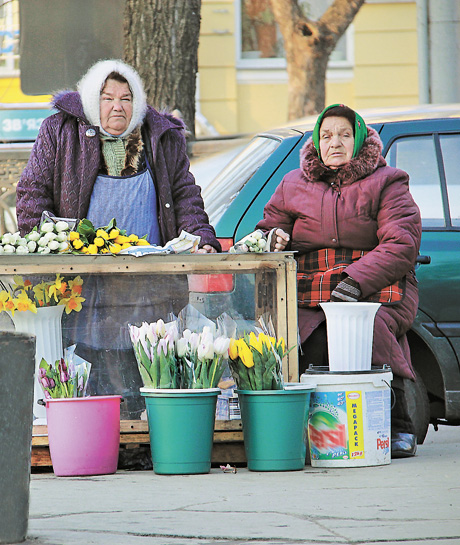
(256, 362)
(22, 295)
(87, 239)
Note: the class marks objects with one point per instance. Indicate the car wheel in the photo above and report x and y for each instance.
(418, 405)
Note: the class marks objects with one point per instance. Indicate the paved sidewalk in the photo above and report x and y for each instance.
(411, 501)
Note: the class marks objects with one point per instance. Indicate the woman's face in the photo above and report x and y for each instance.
(336, 141)
(116, 107)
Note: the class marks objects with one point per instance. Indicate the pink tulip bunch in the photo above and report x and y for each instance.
(167, 359)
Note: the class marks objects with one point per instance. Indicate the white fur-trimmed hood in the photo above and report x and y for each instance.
(91, 84)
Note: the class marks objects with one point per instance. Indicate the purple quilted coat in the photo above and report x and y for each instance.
(65, 161)
(364, 205)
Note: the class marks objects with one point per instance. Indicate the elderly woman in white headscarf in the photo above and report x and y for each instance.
(107, 154)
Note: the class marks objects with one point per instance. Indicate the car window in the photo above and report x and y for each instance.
(450, 147)
(225, 187)
(417, 156)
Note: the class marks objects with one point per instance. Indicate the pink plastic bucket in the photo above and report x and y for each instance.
(84, 434)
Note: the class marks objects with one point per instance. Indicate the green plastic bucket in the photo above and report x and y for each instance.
(274, 427)
(181, 429)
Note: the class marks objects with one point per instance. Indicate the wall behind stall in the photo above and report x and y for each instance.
(384, 72)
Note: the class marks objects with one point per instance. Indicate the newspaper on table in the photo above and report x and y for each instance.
(185, 243)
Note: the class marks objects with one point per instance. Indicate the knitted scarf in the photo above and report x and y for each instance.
(121, 156)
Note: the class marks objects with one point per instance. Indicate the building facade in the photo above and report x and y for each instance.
(242, 81)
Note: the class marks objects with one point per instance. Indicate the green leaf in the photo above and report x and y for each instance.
(215, 371)
(258, 370)
(86, 230)
(111, 225)
(269, 372)
(146, 367)
(44, 365)
(167, 363)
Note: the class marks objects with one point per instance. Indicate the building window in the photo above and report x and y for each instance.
(260, 43)
(9, 38)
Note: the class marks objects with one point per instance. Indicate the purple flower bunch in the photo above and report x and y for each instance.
(64, 378)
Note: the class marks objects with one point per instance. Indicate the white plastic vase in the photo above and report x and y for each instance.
(350, 332)
(46, 326)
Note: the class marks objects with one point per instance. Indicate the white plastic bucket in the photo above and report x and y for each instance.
(350, 331)
(349, 418)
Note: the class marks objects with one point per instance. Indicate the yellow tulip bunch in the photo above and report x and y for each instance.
(255, 361)
(104, 240)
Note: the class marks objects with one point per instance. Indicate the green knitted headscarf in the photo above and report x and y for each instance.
(359, 129)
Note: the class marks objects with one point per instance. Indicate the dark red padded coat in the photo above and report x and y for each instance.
(364, 205)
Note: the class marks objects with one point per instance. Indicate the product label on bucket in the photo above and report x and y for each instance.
(355, 424)
(335, 425)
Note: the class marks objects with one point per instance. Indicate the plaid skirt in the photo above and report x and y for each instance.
(319, 272)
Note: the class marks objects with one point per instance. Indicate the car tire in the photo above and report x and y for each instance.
(418, 405)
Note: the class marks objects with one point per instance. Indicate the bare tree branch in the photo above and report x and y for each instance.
(308, 45)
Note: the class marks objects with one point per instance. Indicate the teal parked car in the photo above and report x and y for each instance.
(425, 142)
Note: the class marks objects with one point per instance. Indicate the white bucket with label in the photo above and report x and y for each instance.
(350, 332)
(349, 417)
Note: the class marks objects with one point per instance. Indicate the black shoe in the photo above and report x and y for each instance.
(403, 445)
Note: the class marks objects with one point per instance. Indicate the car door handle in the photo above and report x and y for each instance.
(423, 259)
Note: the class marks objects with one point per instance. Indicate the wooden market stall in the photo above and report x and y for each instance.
(244, 286)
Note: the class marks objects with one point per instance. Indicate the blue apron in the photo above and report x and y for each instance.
(131, 200)
(100, 330)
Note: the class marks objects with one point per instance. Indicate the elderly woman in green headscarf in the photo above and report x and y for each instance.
(356, 230)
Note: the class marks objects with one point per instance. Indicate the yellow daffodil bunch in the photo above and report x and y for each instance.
(255, 361)
(87, 239)
(22, 295)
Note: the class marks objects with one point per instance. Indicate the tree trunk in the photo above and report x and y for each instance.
(308, 45)
(161, 41)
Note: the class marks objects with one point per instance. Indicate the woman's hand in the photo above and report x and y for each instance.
(279, 240)
(207, 249)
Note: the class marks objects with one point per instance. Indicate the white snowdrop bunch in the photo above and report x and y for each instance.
(254, 242)
(50, 238)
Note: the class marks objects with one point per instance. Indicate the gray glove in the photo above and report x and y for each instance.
(346, 290)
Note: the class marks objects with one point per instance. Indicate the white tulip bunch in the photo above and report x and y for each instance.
(169, 360)
(51, 238)
(202, 357)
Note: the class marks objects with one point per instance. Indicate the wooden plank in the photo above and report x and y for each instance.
(228, 436)
(141, 426)
(154, 264)
(143, 438)
(228, 453)
(39, 441)
(134, 426)
(222, 453)
(228, 424)
(291, 320)
(41, 457)
(126, 438)
(40, 430)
